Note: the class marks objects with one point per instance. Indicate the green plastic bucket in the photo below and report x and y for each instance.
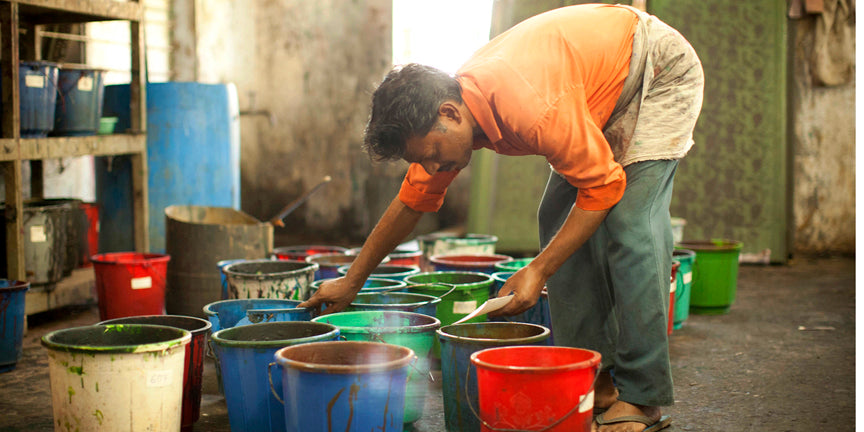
(715, 275)
(471, 291)
(407, 329)
(683, 282)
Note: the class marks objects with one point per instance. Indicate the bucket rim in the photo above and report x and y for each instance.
(491, 262)
(314, 259)
(409, 270)
(391, 283)
(713, 245)
(196, 326)
(219, 337)
(470, 238)
(522, 262)
(301, 248)
(430, 300)
(183, 339)
(136, 258)
(408, 356)
(544, 334)
(683, 253)
(210, 308)
(459, 286)
(308, 268)
(591, 362)
(11, 285)
(433, 324)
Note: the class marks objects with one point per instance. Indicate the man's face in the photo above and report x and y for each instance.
(447, 147)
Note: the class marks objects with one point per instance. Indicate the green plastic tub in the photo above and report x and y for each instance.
(715, 275)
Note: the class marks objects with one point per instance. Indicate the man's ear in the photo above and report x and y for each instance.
(450, 110)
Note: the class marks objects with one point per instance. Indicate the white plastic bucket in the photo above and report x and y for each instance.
(124, 377)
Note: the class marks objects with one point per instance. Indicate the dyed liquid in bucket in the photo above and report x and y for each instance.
(532, 388)
(243, 355)
(387, 271)
(476, 262)
(395, 301)
(444, 244)
(130, 284)
(269, 279)
(458, 342)
(371, 285)
(117, 377)
(193, 367)
(407, 329)
(538, 314)
(299, 253)
(344, 386)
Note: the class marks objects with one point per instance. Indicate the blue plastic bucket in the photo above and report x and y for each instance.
(407, 329)
(37, 87)
(344, 386)
(538, 314)
(79, 104)
(243, 355)
(282, 314)
(12, 294)
(458, 342)
(387, 271)
(396, 301)
(223, 279)
(371, 285)
(231, 313)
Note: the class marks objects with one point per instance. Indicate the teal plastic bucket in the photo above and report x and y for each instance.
(12, 295)
(407, 329)
(396, 301)
(683, 281)
(387, 271)
(458, 342)
(512, 266)
(243, 355)
(715, 275)
(344, 386)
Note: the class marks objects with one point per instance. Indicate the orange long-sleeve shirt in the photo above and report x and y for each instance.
(546, 87)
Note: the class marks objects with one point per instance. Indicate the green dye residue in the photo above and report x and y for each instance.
(97, 387)
(71, 393)
(99, 416)
(78, 370)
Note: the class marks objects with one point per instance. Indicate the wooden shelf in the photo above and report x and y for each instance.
(62, 147)
(77, 11)
(77, 289)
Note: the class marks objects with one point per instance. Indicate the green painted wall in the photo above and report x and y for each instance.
(734, 183)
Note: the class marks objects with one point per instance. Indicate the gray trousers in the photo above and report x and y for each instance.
(612, 295)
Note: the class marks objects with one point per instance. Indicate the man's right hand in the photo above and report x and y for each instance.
(334, 294)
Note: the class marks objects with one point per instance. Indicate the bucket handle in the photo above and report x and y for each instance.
(378, 338)
(270, 378)
(573, 410)
(419, 305)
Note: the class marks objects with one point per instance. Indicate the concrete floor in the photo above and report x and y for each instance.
(782, 360)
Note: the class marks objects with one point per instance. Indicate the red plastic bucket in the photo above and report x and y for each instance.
(672, 288)
(130, 284)
(536, 388)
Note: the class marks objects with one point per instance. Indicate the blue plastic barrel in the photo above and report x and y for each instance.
(80, 100)
(12, 295)
(243, 354)
(37, 87)
(538, 314)
(193, 131)
(344, 386)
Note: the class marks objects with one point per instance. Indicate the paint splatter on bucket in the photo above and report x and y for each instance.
(269, 279)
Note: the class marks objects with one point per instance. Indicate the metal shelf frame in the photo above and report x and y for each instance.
(18, 14)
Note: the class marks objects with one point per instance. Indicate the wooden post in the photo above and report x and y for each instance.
(14, 214)
(138, 111)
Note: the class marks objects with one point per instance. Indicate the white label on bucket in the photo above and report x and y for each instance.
(464, 307)
(159, 378)
(142, 282)
(85, 83)
(35, 81)
(37, 234)
(589, 404)
(673, 286)
(688, 277)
